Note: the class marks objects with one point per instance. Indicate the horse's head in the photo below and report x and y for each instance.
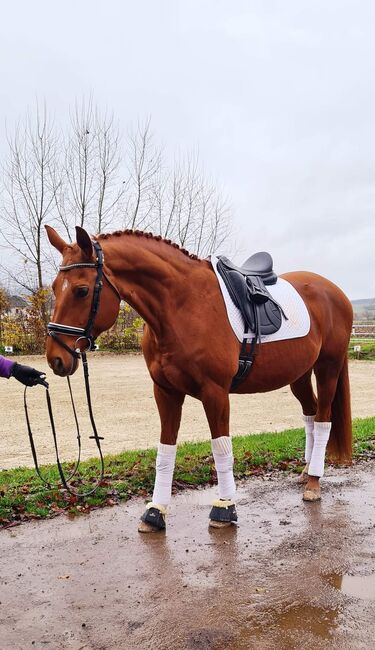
(86, 301)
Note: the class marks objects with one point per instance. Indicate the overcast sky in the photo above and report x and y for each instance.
(279, 98)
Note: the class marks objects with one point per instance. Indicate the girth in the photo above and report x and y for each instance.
(261, 313)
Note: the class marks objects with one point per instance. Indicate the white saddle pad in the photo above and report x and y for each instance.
(297, 325)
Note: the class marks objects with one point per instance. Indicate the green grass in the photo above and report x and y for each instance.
(367, 349)
(23, 496)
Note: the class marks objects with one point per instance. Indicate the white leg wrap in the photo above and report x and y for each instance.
(321, 437)
(223, 456)
(309, 435)
(165, 462)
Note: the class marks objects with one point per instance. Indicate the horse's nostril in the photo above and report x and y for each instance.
(58, 365)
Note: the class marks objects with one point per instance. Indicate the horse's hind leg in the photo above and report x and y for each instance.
(327, 373)
(302, 389)
(169, 404)
(216, 406)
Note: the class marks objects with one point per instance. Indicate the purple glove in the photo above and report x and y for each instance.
(5, 367)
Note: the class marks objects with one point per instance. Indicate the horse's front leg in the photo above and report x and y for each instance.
(216, 406)
(169, 404)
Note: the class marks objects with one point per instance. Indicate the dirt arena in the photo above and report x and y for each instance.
(126, 413)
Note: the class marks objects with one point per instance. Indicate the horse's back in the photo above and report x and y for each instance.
(312, 286)
(328, 305)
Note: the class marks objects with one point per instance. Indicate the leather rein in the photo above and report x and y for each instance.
(80, 333)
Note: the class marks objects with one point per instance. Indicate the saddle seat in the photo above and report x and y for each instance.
(260, 264)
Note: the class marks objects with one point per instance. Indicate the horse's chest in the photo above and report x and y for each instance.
(170, 375)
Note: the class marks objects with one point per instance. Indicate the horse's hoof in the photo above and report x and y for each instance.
(147, 528)
(219, 524)
(223, 514)
(312, 495)
(153, 519)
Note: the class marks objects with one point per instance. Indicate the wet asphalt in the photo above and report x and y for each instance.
(290, 575)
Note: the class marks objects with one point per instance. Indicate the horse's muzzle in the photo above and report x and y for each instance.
(60, 368)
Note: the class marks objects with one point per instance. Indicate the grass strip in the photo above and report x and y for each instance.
(367, 352)
(23, 496)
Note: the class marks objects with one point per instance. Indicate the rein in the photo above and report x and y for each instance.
(54, 329)
(64, 479)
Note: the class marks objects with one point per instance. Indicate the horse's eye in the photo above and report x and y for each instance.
(81, 292)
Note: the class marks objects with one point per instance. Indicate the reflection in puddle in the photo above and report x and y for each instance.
(357, 586)
(319, 621)
(285, 626)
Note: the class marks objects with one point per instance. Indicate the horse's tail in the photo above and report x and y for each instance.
(340, 440)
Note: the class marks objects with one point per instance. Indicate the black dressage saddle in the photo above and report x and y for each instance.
(262, 315)
(246, 285)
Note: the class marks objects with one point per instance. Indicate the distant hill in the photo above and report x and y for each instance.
(364, 308)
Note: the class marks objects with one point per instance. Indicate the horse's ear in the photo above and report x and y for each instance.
(55, 239)
(84, 241)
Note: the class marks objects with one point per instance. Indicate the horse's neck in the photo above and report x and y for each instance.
(150, 275)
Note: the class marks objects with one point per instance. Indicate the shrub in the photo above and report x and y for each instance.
(125, 333)
(26, 331)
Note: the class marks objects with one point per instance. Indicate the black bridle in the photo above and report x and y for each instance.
(54, 329)
(80, 333)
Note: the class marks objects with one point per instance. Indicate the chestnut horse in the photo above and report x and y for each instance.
(191, 349)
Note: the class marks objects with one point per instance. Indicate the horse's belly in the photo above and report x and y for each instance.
(279, 364)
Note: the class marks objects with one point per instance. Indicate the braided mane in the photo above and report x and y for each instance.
(147, 235)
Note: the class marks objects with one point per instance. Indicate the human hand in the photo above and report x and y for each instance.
(28, 376)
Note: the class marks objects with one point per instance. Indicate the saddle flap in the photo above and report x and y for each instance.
(270, 318)
(262, 315)
(239, 292)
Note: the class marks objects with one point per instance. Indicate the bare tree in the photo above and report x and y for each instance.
(29, 196)
(111, 187)
(190, 210)
(144, 163)
(93, 189)
(81, 162)
(88, 176)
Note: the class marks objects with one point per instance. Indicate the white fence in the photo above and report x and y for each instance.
(363, 329)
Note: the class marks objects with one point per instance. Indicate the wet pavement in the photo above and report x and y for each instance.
(291, 575)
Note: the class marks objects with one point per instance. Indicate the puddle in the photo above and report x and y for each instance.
(261, 585)
(357, 586)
